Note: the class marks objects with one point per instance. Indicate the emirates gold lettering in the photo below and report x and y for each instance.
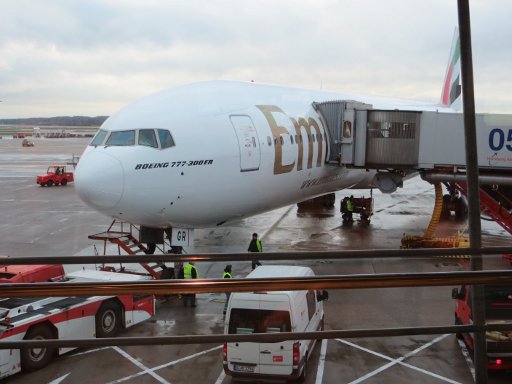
(300, 124)
(277, 131)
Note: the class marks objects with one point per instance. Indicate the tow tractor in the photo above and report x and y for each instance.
(363, 206)
(55, 175)
(63, 317)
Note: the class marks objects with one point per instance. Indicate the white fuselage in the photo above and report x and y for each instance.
(240, 149)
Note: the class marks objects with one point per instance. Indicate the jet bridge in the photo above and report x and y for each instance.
(361, 136)
(398, 142)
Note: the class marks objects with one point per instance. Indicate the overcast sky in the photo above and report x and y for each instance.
(91, 57)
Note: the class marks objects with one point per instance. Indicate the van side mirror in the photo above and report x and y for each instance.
(321, 296)
(455, 294)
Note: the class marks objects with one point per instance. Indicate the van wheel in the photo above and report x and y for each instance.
(108, 320)
(32, 358)
(64, 182)
(49, 183)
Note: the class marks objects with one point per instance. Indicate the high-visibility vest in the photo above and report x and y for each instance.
(258, 244)
(350, 206)
(226, 275)
(187, 271)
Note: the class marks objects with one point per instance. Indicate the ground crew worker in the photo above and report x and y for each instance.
(190, 272)
(255, 246)
(350, 207)
(227, 275)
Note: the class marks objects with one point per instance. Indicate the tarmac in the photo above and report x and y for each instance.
(46, 221)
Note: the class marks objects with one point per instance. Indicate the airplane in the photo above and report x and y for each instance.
(204, 154)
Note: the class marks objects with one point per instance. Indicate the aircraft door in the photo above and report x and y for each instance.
(248, 142)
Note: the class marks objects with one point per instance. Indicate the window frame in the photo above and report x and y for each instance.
(156, 142)
(128, 144)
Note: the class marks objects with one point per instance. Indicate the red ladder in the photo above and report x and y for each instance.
(125, 240)
(493, 208)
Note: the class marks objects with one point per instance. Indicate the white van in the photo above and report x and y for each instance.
(270, 312)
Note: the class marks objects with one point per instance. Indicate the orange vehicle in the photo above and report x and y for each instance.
(55, 175)
(30, 273)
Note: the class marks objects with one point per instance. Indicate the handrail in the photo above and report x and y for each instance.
(239, 285)
(255, 337)
(166, 287)
(244, 256)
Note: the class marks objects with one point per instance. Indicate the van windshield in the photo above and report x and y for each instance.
(245, 321)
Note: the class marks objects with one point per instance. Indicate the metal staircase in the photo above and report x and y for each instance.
(122, 234)
(495, 202)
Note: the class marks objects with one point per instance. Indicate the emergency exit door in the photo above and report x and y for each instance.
(247, 142)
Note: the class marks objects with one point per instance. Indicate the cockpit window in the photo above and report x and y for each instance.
(166, 139)
(99, 138)
(147, 137)
(121, 138)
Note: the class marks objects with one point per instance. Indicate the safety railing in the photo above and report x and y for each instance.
(360, 281)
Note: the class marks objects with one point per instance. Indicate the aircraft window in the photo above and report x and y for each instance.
(291, 139)
(99, 138)
(281, 140)
(300, 137)
(269, 141)
(275, 140)
(166, 139)
(313, 136)
(121, 138)
(147, 137)
(296, 139)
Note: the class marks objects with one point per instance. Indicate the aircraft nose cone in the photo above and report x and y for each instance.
(99, 180)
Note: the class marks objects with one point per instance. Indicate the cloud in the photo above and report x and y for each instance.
(92, 57)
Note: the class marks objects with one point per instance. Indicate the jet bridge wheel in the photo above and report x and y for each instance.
(108, 320)
(33, 358)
